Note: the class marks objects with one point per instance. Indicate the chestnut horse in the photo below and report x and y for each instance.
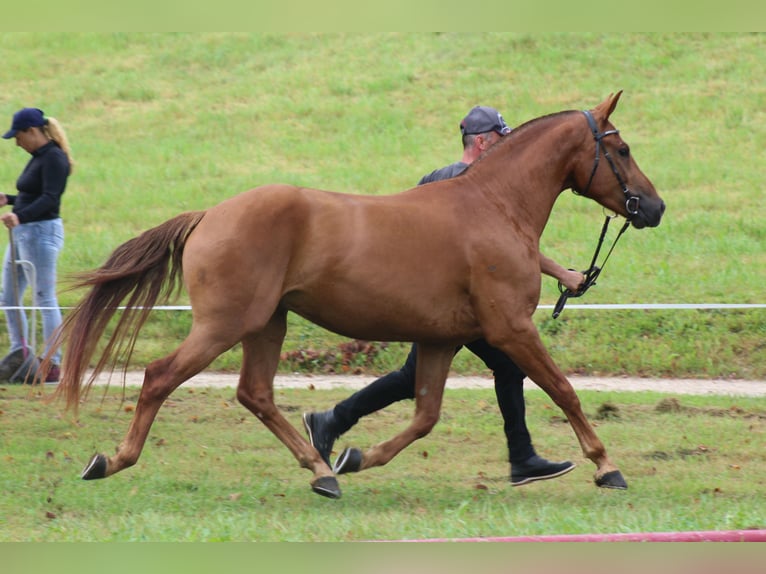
(441, 264)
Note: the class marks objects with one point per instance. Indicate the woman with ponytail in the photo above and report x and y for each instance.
(38, 232)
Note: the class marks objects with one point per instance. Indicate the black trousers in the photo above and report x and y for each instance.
(400, 385)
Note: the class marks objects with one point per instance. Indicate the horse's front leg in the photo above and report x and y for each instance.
(260, 359)
(524, 346)
(432, 368)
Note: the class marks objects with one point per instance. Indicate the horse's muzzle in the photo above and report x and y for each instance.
(649, 213)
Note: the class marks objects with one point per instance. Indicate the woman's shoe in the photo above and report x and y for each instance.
(10, 364)
(53, 375)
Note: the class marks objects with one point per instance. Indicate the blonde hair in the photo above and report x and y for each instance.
(55, 131)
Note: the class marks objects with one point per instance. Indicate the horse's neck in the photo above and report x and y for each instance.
(526, 175)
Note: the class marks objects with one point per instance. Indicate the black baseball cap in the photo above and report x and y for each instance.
(24, 119)
(483, 119)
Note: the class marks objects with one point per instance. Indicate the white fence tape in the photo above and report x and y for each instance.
(651, 306)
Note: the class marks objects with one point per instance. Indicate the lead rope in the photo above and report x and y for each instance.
(593, 271)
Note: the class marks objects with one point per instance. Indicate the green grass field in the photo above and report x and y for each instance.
(162, 123)
(211, 471)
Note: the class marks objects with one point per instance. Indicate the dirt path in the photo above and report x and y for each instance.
(351, 382)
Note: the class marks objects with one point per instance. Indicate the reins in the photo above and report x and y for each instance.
(592, 273)
(631, 205)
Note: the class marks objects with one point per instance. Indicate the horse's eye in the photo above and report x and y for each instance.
(624, 151)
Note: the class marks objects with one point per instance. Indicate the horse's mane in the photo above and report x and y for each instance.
(515, 134)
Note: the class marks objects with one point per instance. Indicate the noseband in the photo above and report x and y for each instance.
(631, 206)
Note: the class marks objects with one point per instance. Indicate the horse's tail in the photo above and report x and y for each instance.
(144, 269)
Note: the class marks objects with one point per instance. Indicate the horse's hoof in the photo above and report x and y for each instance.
(350, 460)
(96, 468)
(612, 479)
(326, 486)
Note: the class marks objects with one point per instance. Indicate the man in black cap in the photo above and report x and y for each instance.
(480, 129)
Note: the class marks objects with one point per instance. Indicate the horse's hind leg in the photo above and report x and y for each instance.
(260, 359)
(161, 378)
(432, 368)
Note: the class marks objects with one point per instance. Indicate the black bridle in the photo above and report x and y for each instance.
(631, 206)
(631, 201)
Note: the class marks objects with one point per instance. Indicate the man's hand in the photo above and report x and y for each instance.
(572, 280)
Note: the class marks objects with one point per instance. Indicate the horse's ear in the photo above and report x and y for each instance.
(606, 107)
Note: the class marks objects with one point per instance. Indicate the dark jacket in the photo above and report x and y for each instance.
(41, 185)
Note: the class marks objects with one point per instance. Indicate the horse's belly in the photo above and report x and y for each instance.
(388, 320)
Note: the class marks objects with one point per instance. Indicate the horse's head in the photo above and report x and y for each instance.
(613, 178)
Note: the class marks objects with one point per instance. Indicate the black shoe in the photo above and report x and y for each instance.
(537, 468)
(11, 363)
(322, 434)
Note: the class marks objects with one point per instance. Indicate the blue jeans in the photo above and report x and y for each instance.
(40, 243)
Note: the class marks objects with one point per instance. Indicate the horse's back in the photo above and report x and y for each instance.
(314, 224)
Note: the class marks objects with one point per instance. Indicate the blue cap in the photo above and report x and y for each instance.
(483, 119)
(24, 119)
